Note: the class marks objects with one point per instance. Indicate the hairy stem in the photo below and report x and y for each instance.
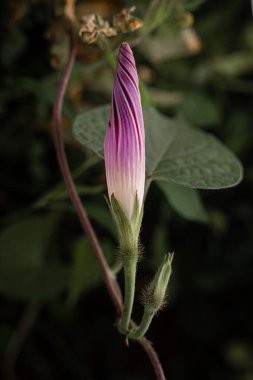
(143, 327)
(109, 278)
(129, 266)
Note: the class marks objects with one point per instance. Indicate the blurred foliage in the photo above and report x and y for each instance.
(22, 271)
(56, 317)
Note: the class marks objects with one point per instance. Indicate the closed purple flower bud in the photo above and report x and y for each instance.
(124, 147)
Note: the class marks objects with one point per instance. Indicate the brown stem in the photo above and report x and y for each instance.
(153, 357)
(109, 277)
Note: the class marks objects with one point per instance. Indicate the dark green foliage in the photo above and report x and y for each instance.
(206, 330)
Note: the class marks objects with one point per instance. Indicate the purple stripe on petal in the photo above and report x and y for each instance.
(124, 141)
(135, 114)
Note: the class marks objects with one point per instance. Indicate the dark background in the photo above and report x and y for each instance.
(68, 332)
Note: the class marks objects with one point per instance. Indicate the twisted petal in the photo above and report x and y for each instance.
(124, 147)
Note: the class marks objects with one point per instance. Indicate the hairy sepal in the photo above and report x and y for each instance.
(155, 293)
(128, 230)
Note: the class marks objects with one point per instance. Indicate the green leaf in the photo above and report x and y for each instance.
(34, 283)
(85, 272)
(174, 151)
(198, 160)
(200, 110)
(160, 132)
(89, 128)
(183, 200)
(22, 272)
(23, 243)
(102, 216)
(61, 193)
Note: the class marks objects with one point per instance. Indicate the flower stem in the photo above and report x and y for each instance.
(129, 264)
(109, 278)
(153, 357)
(143, 327)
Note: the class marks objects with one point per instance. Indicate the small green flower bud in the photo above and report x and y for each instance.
(153, 297)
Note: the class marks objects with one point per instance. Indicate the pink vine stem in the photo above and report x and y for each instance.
(109, 277)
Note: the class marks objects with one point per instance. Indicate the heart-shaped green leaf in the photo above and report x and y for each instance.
(185, 201)
(174, 151)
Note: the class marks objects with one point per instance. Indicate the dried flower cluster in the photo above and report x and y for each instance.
(125, 22)
(94, 27)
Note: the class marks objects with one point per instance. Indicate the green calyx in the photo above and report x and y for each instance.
(128, 230)
(153, 297)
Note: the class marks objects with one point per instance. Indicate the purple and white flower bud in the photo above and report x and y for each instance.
(124, 147)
